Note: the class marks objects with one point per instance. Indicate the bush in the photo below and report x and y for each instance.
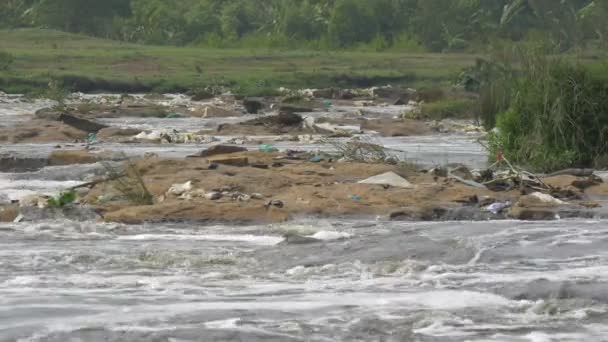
(557, 116)
(6, 60)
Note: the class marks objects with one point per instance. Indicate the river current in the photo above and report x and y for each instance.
(363, 280)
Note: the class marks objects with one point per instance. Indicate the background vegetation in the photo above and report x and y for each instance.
(549, 106)
(412, 25)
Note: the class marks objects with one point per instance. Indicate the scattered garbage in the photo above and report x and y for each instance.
(180, 189)
(173, 116)
(213, 196)
(316, 159)
(268, 148)
(173, 136)
(389, 179)
(275, 203)
(467, 182)
(91, 138)
(18, 219)
(498, 207)
(356, 198)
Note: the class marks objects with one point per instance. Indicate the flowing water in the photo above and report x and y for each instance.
(363, 280)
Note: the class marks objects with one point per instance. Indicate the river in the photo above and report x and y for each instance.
(364, 280)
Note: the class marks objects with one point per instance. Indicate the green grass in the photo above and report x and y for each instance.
(88, 64)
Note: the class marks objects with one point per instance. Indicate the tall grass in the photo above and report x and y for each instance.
(556, 116)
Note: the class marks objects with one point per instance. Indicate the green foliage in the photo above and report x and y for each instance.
(64, 199)
(437, 25)
(557, 116)
(6, 59)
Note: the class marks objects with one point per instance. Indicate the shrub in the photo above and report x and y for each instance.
(557, 116)
(64, 199)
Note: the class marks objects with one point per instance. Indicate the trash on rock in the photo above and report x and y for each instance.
(268, 148)
(180, 189)
(389, 179)
(498, 207)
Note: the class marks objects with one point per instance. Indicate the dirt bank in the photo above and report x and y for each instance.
(269, 189)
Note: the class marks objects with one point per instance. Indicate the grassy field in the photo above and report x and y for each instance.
(87, 64)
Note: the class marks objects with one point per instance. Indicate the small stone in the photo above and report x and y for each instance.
(257, 196)
(213, 196)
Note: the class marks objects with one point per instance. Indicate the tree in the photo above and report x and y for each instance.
(351, 22)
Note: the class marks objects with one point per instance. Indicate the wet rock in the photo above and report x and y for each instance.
(296, 239)
(41, 131)
(532, 214)
(71, 120)
(219, 149)
(291, 109)
(253, 104)
(228, 160)
(73, 213)
(425, 213)
(21, 164)
(8, 213)
(70, 157)
(115, 132)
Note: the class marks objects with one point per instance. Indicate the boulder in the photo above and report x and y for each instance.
(228, 160)
(532, 214)
(10, 163)
(389, 179)
(539, 200)
(219, 149)
(71, 120)
(253, 105)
